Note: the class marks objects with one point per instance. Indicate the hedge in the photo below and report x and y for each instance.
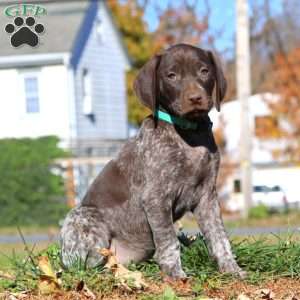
(31, 193)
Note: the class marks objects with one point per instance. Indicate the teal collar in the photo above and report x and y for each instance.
(182, 122)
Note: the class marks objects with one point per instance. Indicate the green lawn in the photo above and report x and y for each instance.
(50, 230)
(9, 251)
(263, 259)
(280, 219)
(290, 219)
(266, 259)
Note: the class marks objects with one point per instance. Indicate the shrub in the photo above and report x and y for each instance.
(259, 212)
(30, 193)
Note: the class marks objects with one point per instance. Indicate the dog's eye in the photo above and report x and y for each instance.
(172, 76)
(204, 71)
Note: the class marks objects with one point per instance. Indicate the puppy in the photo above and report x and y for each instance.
(168, 169)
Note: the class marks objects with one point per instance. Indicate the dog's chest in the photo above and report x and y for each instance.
(197, 161)
(197, 167)
(197, 156)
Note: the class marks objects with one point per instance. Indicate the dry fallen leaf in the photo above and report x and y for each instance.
(6, 275)
(206, 298)
(18, 296)
(265, 294)
(182, 286)
(88, 293)
(111, 258)
(81, 287)
(290, 297)
(47, 285)
(48, 282)
(128, 279)
(243, 297)
(45, 266)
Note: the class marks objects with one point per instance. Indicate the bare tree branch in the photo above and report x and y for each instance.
(280, 45)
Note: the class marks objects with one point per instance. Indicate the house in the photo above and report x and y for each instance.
(266, 170)
(72, 84)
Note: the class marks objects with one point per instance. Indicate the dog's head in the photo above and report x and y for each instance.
(182, 80)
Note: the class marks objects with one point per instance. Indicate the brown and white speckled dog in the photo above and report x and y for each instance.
(162, 173)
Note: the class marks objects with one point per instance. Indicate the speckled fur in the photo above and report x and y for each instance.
(159, 175)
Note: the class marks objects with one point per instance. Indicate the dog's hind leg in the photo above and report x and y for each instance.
(83, 234)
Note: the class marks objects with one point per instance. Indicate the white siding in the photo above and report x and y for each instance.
(104, 58)
(265, 170)
(231, 115)
(53, 118)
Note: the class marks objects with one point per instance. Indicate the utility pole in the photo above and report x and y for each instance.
(244, 92)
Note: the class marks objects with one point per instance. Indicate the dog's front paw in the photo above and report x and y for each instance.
(173, 272)
(230, 266)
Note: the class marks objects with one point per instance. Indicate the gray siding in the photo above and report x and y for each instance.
(106, 61)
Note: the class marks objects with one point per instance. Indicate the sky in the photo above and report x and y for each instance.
(222, 17)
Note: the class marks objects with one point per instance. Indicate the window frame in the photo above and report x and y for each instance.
(87, 94)
(36, 94)
(263, 124)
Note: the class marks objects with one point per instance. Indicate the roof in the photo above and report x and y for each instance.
(68, 24)
(61, 23)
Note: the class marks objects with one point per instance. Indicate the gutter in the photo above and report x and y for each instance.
(30, 60)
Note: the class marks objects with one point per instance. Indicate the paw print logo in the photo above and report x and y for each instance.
(24, 32)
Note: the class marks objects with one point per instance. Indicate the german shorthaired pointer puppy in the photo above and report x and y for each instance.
(168, 169)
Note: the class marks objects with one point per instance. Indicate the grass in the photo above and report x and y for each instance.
(263, 259)
(8, 251)
(291, 218)
(13, 230)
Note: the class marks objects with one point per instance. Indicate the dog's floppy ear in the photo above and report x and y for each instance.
(145, 84)
(221, 83)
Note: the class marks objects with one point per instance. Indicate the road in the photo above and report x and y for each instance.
(36, 238)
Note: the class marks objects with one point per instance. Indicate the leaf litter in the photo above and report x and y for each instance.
(129, 280)
(274, 270)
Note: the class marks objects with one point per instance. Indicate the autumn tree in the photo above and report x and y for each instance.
(270, 33)
(128, 16)
(286, 109)
(275, 68)
(183, 24)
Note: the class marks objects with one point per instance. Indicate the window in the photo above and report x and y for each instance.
(87, 95)
(31, 94)
(237, 186)
(266, 127)
(99, 29)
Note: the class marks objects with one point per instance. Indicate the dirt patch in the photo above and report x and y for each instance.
(283, 288)
(277, 289)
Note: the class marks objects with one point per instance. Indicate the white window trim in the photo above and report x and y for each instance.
(27, 74)
(99, 28)
(87, 99)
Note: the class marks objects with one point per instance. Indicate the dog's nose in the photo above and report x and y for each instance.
(195, 98)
